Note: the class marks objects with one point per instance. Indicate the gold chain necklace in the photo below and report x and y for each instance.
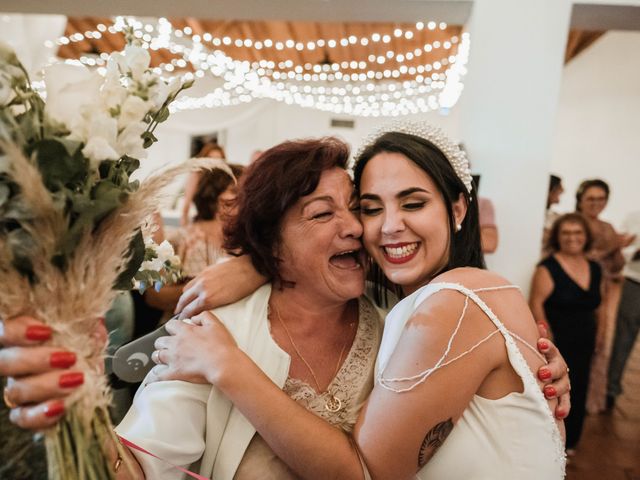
(333, 404)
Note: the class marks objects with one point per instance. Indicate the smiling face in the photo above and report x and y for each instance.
(405, 220)
(572, 238)
(320, 244)
(593, 201)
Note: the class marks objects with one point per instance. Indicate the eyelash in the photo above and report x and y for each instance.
(318, 216)
(407, 206)
(413, 205)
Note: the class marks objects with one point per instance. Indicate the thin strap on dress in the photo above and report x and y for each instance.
(500, 328)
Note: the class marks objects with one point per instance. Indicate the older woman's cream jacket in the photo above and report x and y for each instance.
(196, 426)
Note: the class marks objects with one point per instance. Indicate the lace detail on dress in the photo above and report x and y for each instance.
(353, 382)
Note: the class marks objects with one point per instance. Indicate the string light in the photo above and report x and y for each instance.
(352, 87)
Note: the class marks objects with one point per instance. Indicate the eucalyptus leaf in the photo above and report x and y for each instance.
(58, 168)
(149, 139)
(136, 257)
(163, 114)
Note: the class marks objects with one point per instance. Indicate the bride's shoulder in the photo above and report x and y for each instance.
(471, 278)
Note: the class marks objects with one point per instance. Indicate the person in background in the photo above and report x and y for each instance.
(591, 199)
(200, 243)
(255, 155)
(210, 150)
(488, 227)
(628, 317)
(553, 197)
(565, 297)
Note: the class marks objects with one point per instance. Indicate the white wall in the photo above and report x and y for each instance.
(598, 124)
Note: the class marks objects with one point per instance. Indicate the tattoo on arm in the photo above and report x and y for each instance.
(433, 441)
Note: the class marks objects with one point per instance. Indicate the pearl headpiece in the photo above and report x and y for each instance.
(456, 156)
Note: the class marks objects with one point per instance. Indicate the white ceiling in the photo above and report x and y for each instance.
(586, 15)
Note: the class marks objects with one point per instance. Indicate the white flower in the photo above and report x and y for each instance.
(70, 87)
(130, 141)
(134, 60)
(155, 265)
(101, 137)
(175, 261)
(133, 110)
(159, 93)
(113, 92)
(165, 251)
(6, 92)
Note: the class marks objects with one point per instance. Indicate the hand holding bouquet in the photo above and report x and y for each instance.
(71, 217)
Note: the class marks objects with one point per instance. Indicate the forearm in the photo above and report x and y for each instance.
(166, 299)
(310, 446)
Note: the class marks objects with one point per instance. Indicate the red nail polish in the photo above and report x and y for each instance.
(549, 391)
(560, 414)
(54, 409)
(72, 379)
(544, 374)
(62, 359)
(38, 332)
(542, 345)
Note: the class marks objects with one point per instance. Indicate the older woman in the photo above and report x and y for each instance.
(566, 295)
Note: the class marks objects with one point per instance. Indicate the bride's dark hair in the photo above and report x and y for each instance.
(465, 247)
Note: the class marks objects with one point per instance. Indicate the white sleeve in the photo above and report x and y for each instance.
(167, 419)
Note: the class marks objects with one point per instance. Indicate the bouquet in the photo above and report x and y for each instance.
(71, 218)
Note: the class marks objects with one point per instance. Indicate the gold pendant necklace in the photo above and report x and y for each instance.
(332, 404)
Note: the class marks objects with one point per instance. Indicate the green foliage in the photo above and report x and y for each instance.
(136, 257)
(60, 169)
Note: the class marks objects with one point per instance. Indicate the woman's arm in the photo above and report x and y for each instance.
(218, 285)
(189, 192)
(541, 288)
(166, 299)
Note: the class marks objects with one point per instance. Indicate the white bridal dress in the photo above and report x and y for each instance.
(511, 438)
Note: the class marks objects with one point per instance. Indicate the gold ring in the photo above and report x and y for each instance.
(8, 402)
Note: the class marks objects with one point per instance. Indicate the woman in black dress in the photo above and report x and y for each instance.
(565, 296)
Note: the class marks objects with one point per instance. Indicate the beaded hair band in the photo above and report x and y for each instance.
(456, 156)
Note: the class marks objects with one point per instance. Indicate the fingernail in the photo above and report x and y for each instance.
(544, 374)
(560, 414)
(70, 380)
(549, 391)
(62, 359)
(38, 332)
(542, 345)
(53, 409)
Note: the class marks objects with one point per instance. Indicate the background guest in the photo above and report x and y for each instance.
(200, 243)
(591, 199)
(553, 197)
(565, 296)
(628, 317)
(210, 150)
